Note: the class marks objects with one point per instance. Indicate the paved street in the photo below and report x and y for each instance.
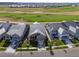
(73, 52)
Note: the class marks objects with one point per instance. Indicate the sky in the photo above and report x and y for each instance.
(51, 1)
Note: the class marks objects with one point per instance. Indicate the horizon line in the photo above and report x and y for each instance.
(39, 2)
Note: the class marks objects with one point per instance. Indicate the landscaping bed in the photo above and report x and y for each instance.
(74, 40)
(56, 42)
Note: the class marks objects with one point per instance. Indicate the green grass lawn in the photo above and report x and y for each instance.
(39, 17)
(57, 42)
(25, 44)
(64, 9)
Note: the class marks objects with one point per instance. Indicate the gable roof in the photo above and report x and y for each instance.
(58, 27)
(4, 27)
(67, 24)
(17, 29)
(37, 28)
(71, 26)
(77, 25)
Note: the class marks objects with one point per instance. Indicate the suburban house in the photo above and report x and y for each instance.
(58, 30)
(37, 34)
(15, 35)
(73, 28)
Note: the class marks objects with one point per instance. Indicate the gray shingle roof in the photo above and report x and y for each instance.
(16, 34)
(77, 23)
(4, 27)
(17, 29)
(37, 28)
(56, 26)
(71, 26)
(77, 27)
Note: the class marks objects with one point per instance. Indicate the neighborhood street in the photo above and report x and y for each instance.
(70, 52)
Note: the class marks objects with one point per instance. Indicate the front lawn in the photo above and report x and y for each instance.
(57, 42)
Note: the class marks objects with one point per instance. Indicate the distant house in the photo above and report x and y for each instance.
(37, 34)
(57, 30)
(16, 34)
(4, 27)
(36, 5)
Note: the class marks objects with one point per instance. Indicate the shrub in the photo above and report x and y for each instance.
(74, 40)
(77, 45)
(2, 49)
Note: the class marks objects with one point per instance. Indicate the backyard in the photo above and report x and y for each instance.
(39, 17)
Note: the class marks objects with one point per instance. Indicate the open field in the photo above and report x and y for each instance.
(56, 9)
(38, 17)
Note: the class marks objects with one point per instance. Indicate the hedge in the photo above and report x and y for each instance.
(26, 50)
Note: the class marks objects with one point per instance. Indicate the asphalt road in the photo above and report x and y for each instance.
(73, 52)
